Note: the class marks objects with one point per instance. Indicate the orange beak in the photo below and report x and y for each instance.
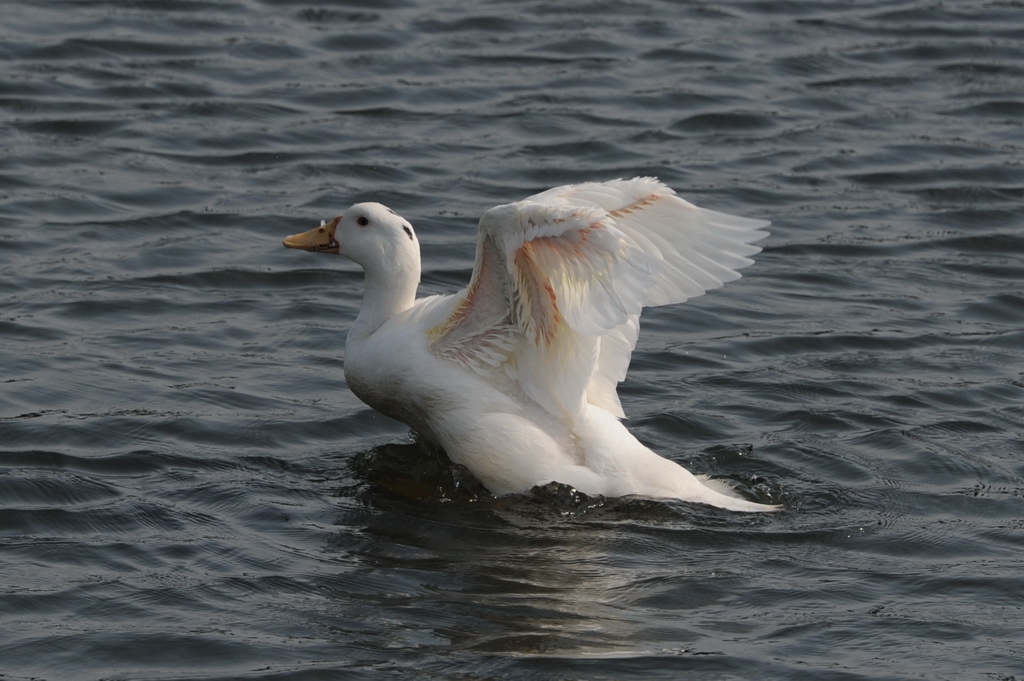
(319, 239)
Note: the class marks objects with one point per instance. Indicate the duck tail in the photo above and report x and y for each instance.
(721, 494)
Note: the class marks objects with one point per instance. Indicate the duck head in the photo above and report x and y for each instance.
(367, 233)
(384, 244)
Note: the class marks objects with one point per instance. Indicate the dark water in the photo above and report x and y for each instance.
(188, 491)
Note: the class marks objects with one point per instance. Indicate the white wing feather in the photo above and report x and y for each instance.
(561, 278)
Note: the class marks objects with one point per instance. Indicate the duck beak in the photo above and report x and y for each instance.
(319, 239)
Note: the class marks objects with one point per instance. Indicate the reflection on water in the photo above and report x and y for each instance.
(504, 580)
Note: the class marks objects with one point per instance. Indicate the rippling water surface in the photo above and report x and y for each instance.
(188, 491)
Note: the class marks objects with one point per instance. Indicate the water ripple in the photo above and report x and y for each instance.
(187, 490)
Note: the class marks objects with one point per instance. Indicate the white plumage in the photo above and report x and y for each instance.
(515, 376)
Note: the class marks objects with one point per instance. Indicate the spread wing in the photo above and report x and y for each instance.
(560, 279)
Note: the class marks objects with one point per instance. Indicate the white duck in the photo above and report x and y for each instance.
(515, 375)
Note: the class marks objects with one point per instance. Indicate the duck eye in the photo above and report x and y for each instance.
(362, 221)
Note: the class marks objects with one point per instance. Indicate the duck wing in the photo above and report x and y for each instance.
(561, 277)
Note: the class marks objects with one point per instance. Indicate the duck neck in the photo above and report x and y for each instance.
(387, 292)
